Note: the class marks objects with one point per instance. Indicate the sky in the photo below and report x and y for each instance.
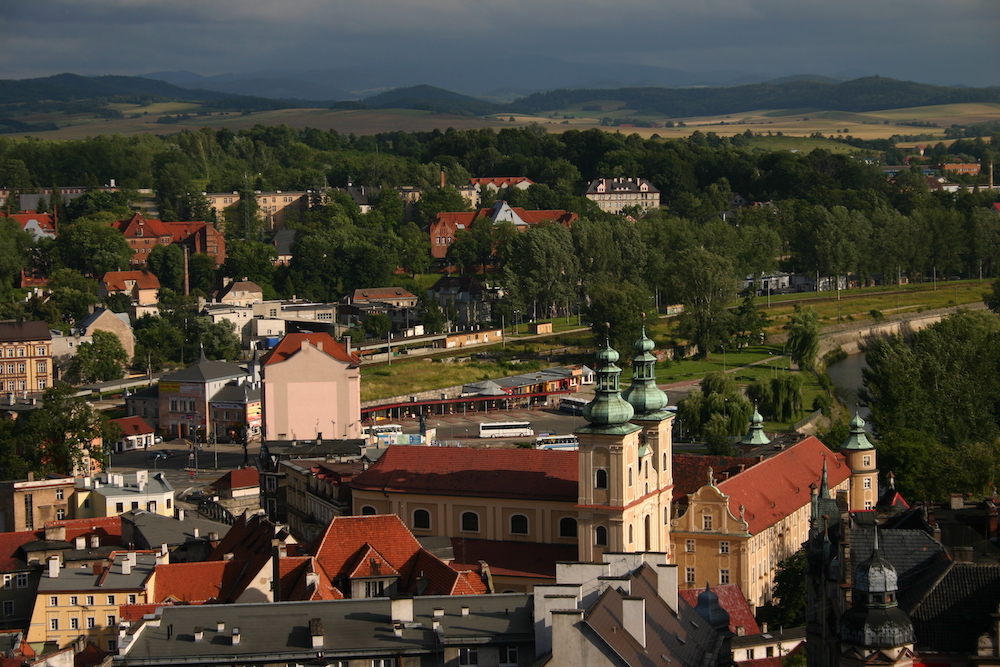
(931, 41)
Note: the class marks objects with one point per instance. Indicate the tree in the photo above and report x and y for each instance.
(992, 297)
(252, 260)
(99, 201)
(217, 339)
(377, 325)
(91, 246)
(438, 200)
(788, 608)
(544, 270)
(431, 316)
(705, 283)
(616, 311)
(202, 269)
(716, 411)
(166, 262)
(748, 322)
(99, 361)
(15, 245)
(803, 336)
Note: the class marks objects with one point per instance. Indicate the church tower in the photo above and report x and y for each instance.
(875, 630)
(863, 462)
(608, 461)
(655, 482)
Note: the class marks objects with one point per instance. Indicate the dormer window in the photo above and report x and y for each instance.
(138, 231)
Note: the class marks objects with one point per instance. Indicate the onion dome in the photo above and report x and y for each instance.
(608, 407)
(643, 394)
(875, 619)
(858, 439)
(755, 437)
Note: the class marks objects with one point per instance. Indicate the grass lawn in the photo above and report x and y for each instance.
(412, 376)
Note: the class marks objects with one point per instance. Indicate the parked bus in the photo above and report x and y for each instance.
(557, 442)
(572, 405)
(382, 429)
(506, 430)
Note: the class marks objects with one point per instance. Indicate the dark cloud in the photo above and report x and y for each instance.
(919, 39)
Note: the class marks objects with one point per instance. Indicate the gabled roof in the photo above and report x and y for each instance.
(46, 223)
(370, 563)
(150, 227)
(115, 281)
(192, 582)
(236, 393)
(292, 343)
(512, 559)
(731, 599)
(108, 528)
(501, 181)
(462, 471)
(206, 371)
(778, 486)
(457, 284)
(183, 230)
(133, 425)
(249, 534)
(958, 609)
(238, 286)
(377, 294)
(9, 545)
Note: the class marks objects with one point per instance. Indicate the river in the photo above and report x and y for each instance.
(847, 380)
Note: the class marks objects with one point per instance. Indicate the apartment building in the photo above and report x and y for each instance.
(25, 357)
(614, 194)
(28, 504)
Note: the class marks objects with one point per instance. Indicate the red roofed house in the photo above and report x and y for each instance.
(136, 434)
(737, 529)
(19, 580)
(311, 389)
(731, 598)
(444, 226)
(141, 286)
(239, 490)
(39, 225)
(497, 183)
(377, 556)
(144, 234)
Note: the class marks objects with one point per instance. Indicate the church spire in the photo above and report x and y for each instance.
(608, 409)
(643, 394)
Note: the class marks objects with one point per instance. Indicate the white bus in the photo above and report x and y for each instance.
(382, 429)
(506, 430)
(557, 442)
(572, 405)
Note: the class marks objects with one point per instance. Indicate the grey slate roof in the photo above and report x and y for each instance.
(913, 553)
(351, 629)
(155, 529)
(206, 371)
(14, 331)
(84, 579)
(283, 240)
(233, 393)
(958, 609)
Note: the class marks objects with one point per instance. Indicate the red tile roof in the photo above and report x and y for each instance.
(380, 294)
(9, 544)
(778, 486)
(133, 425)
(293, 342)
(294, 580)
(731, 599)
(349, 541)
(248, 535)
(501, 181)
(462, 471)
(150, 227)
(108, 528)
(370, 563)
(512, 559)
(182, 230)
(241, 478)
(691, 471)
(192, 582)
(114, 281)
(45, 220)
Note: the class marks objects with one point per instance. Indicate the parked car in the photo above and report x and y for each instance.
(157, 439)
(158, 456)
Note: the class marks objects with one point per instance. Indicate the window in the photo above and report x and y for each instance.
(41, 367)
(374, 589)
(111, 620)
(60, 514)
(20, 351)
(368, 510)
(630, 475)
(73, 600)
(22, 579)
(112, 644)
(723, 547)
(689, 575)
(666, 462)
(518, 524)
(630, 536)
(689, 546)
(173, 405)
(601, 536)
(600, 478)
(60, 494)
(382, 662)
(42, 383)
(567, 527)
(8, 607)
(53, 600)
(868, 482)
(90, 600)
(468, 656)
(29, 512)
(21, 368)
(91, 622)
(706, 522)
(74, 623)
(723, 576)
(867, 461)
(86, 503)
(131, 598)
(868, 505)
(666, 515)
(769, 651)
(8, 581)
(470, 522)
(119, 507)
(508, 655)
(53, 624)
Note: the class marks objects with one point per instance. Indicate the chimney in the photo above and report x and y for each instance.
(199, 632)
(465, 610)
(126, 566)
(438, 612)
(80, 542)
(220, 626)
(236, 636)
(53, 562)
(442, 178)
(163, 549)
(213, 537)
(95, 541)
(55, 533)
(227, 556)
(963, 554)
(98, 569)
(634, 618)
(402, 608)
(194, 531)
(180, 514)
(316, 632)
(763, 628)
(397, 629)
(957, 501)
(666, 585)
(31, 475)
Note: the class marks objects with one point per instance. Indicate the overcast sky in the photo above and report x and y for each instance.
(932, 41)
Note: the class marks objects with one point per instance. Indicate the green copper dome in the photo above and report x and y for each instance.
(643, 394)
(755, 436)
(857, 439)
(608, 412)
